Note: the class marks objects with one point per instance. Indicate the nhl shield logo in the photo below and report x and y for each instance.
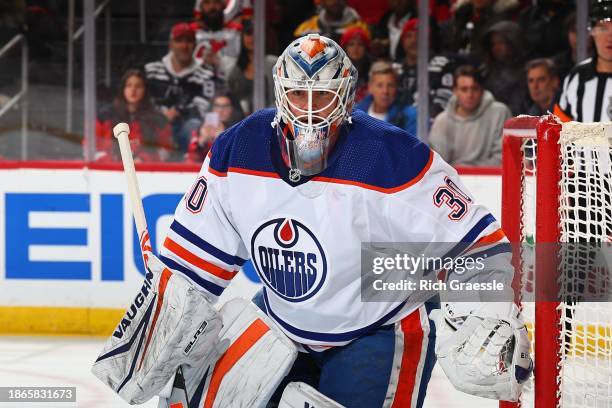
(289, 259)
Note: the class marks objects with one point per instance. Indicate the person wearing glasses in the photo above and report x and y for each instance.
(225, 112)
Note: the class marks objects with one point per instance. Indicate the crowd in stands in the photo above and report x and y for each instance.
(489, 60)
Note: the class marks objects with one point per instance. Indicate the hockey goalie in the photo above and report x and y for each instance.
(297, 190)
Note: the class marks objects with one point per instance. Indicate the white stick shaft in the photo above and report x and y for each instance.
(132, 182)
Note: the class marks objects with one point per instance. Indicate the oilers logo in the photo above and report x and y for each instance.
(289, 259)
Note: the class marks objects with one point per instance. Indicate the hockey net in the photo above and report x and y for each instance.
(557, 188)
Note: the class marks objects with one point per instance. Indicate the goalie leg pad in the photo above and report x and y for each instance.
(300, 395)
(169, 323)
(257, 357)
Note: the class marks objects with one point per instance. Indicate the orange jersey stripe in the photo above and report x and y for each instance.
(234, 353)
(333, 180)
(216, 173)
(382, 189)
(386, 190)
(195, 260)
(241, 170)
(493, 237)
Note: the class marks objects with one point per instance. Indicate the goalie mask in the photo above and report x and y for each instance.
(314, 86)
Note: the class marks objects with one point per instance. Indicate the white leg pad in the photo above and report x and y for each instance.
(170, 323)
(300, 395)
(257, 357)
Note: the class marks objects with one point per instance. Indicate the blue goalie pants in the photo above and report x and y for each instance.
(389, 367)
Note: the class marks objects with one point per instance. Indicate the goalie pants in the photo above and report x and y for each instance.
(389, 367)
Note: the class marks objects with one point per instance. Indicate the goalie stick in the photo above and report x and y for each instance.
(122, 133)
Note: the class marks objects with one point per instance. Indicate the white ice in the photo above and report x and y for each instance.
(66, 361)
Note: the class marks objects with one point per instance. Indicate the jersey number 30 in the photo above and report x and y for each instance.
(454, 200)
(197, 195)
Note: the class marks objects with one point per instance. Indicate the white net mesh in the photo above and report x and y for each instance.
(585, 210)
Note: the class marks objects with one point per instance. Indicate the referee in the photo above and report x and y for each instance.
(587, 89)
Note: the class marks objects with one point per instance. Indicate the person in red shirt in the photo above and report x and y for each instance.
(150, 133)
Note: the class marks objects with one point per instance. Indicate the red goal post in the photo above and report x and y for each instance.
(551, 172)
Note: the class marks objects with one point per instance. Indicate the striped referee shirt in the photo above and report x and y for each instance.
(190, 91)
(587, 94)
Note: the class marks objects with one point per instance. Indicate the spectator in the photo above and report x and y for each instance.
(381, 102)
(228, 109)
(543, 84)
(217, 41)
(240, 81)
(386, 34)
(543, 30)
(469, 131)
(441, 69)
(150, 133)
(587, 89)
(471, 19)
(332, 20)
(225, 113)
(502, 69)
(356, 43)
(408, 69)
(181, 88)
(566, 59)
(440, 72)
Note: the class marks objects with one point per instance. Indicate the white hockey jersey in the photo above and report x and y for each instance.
(304, 239)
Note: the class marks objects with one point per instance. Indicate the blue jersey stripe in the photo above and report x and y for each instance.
(471, 236)
(209, 286)
(331, 337)
(489, 252)
(186, 234)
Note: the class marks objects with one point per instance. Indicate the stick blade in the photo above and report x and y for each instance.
(120, 128)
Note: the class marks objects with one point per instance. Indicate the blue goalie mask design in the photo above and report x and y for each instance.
(314, 86)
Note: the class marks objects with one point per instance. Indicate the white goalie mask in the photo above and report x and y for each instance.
(314, 86)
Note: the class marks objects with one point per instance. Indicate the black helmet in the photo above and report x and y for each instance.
(601, 10)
